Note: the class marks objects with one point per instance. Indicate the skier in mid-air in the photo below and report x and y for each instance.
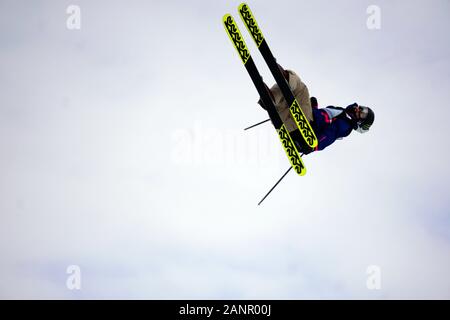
(301, 126)
(329, 124)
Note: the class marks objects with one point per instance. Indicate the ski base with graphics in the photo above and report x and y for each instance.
(296, 112)
(285, 138)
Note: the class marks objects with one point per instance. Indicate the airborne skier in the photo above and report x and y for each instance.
(329, 124)
(301, 128)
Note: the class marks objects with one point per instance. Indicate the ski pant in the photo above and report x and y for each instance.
(301, 93)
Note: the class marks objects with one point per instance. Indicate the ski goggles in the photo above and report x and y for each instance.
(363, 112)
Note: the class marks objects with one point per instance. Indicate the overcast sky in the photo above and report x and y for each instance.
(122, 152)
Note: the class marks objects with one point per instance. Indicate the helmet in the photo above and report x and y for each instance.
(365, 119)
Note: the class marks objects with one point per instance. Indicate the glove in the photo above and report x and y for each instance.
(314, 102)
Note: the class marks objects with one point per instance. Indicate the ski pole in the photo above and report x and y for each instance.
(275, 185)
(257, 124)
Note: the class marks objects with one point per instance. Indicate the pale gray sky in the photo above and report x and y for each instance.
(122, 152)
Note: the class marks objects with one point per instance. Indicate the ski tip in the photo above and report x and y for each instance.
(301, 170)
(242, 5)
(236, 38)
(225, 17)
(251, 24)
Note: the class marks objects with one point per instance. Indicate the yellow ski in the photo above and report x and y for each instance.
(296, 112)
(285, 138)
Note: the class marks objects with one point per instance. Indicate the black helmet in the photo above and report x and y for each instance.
(368, 116)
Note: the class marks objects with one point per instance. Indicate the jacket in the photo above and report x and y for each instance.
(330, 124)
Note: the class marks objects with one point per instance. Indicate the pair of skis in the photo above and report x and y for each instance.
(307, 134)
